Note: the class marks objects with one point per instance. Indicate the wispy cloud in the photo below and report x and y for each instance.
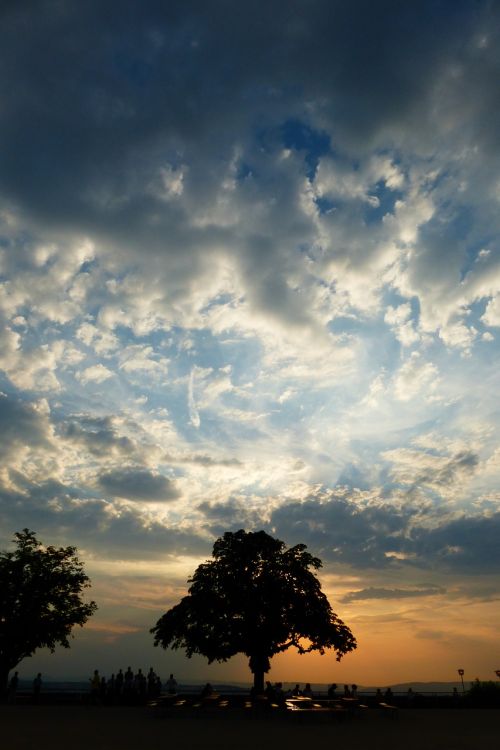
(193, 411)
(384, 593)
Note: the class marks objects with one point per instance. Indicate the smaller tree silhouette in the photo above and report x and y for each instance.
(484, 694)
(40, 599)
(255, 597)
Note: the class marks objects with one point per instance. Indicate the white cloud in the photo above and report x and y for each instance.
(171, 182)
(398, 319)
(396, 316)
(94, 374)
(415, 377)
(101, 340)
(491, 315)
(448, 475)
(335, 179)
(458, 335)
(34, 368)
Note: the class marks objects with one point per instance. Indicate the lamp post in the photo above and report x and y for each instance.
(461, 673)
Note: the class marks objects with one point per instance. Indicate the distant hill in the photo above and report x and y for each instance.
(420, 687)
(233, 687)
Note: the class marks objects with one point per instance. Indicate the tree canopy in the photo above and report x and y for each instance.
(255, 597)
(40, 599)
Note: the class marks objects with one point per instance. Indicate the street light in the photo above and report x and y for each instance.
(461, 673)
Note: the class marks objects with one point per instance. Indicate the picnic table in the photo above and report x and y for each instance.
(304, 706)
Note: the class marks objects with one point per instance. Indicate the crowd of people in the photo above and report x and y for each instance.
(349, 691)
(127, 687)
(132, 688)
(276, 693)
(14, 684)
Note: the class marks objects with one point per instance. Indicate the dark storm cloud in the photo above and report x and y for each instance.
(339, 530)
(21, 424)
(127, 536)
(59, 516)
(51, 509)
(230, 516)
(98, 435)
(387, 534)
(98, 93)
(469, 544)
(138, 484)
(480, 590)
(382, 593)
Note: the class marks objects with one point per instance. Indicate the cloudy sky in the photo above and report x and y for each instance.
(250, 278)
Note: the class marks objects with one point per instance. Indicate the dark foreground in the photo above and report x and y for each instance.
(119, 728)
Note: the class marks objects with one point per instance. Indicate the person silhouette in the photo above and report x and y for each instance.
(140, 685)
(151, 682)
(119, 685)
(207, 691)
(95, 687)
(12, 690)
(279, 693)
(37, 687)
(307, 692)
(103, 690)
(128, 685)
(171, 685)
(269, 691)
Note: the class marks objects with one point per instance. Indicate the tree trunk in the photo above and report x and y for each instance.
(258, 682)
(259, 665)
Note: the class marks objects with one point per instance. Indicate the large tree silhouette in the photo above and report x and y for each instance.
(40, 599)
(255, 597)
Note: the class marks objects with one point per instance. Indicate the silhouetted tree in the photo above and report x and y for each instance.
(40, 599)
(255, 597)
(484, 694)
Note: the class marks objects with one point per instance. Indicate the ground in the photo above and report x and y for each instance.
(101, 728)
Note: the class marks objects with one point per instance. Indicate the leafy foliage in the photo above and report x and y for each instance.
(40, 598)
(483, 694)
(255, 597)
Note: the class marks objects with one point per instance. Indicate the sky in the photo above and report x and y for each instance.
(250, 278)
